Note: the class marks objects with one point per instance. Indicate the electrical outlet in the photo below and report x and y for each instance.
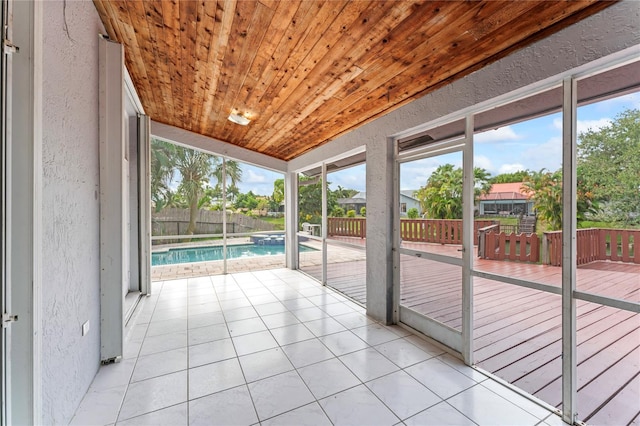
(85, 328)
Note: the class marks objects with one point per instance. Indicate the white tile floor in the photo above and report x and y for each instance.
(275, 348)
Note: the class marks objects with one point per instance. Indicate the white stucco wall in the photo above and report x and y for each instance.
(70, 240)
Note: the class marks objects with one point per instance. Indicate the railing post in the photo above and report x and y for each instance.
(544, 256)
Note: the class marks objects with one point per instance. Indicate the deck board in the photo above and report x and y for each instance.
(618, 410)
(517, 331)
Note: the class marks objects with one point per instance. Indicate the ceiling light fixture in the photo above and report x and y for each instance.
(239, 119)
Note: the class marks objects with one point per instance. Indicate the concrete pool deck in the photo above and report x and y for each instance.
(216, 267)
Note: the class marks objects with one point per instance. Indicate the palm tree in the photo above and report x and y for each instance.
(278, 191)
(233, 174)
(162, 170)
(441, 197)
(195, 167)
(545, 189)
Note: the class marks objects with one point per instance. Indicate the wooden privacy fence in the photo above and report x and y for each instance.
(174, 221)
(443, 231)
(618, 245)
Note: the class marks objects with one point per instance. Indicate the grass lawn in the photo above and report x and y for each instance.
(277, 221)
(606, 225)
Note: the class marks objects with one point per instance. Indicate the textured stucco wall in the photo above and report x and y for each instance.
(70, 240)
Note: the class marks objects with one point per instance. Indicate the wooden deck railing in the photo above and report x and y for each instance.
(347, 226)
(618, 245)
(522, 247)
(443, 231)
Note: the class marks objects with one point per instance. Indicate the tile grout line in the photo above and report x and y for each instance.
(246, 291)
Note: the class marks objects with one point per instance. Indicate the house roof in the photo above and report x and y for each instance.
(306, 71)
(408, 193)
(351, 201)
(505, 191)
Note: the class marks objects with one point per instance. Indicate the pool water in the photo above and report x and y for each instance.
(203, 254)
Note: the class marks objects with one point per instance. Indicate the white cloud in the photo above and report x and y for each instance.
(594, 125)
(585, 125)
(257, 180)
(511, 168)
(250, 176)
(500, 134)
(483, 162)
(412, 177)
(632, 100)
(351, 178)
(547, 155)
(415, 174)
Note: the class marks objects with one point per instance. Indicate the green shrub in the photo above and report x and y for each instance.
(413, 213)
(337, 212)
(351, 213)
(363, 211)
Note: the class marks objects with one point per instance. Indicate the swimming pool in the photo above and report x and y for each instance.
(203, 254)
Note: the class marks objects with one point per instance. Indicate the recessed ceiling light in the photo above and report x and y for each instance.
(239, 119)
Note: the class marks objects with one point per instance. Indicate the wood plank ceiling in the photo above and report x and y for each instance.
(307, 71)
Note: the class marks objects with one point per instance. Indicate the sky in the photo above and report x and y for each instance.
(533, 145)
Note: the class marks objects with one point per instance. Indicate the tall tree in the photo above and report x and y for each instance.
(310, 200)
(344, 192)
(544, 188)
(195, 167)
(233, 174)
(162, 171)
(609, 165)
(514, 177)
(441, 197)
(278, 191)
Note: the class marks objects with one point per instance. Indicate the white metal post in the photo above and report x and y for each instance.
(569, 145)
(22, 268)
(291, 219)
(224, 215)
(144, 203)
(467, 242)
(324, 222)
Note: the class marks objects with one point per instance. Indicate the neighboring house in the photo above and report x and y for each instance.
(408, 201)
(506, 199)
(356, 202)
(359, 200)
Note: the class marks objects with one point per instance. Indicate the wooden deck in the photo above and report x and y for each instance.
(517, 331)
